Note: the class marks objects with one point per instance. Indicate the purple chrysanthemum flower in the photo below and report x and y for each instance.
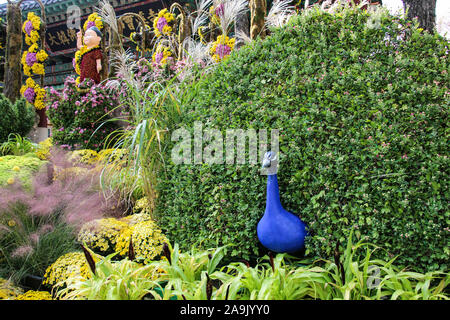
(31, 59)
(90, 24)
(222, 50)
(162, 22)
(29, 94)
(28, 27)
(158, 57)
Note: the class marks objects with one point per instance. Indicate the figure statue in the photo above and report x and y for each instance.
(91, 60)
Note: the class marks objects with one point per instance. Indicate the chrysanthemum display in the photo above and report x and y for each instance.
(69, 265)
(33, 61)
(222, 48)
(31, 28)
(33, 93)
(162, 23)
(160, 55)
(147, 240)
(35, 295)
(101, 235)
(93, 20)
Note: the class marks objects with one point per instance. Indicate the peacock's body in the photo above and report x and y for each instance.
(279, 230)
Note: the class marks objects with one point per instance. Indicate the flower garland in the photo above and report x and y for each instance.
(161, 23)
(33, 62)
(31, 28)
(33, 93)
(93, 20)
(222, 48)
(161, 55)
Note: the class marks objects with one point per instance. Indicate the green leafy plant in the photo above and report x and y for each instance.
(18, 117)
(360, 101)
(111, 280)
(17, 145)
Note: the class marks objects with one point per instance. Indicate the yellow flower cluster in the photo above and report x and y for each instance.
(222, 47)
(85, 156)
(94, 17)
(40, 93)
(70, 265)
(214, 17)
(8, 291)
(35, 295)
(148, 240)
(160, 55)
(101, 235)
(166, 29)
(38, 67)
(43, 149)
(34, 36)
(141, 206)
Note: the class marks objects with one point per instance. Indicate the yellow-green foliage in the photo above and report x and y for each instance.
(19, 169)
(43, 150)
(8, 291)
(35, 295)
(67, 266)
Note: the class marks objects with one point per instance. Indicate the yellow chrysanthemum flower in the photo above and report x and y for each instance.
(38, 68)
(16, 168)
(41, 56)
(69, 265)
(222, 48)
(35, 295)
(161, 23)
(10, 181)
(160, 55)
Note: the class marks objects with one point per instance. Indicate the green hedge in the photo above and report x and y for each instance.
(363, 120)
(18, 117)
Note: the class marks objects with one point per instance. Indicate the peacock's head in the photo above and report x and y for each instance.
(269, 157)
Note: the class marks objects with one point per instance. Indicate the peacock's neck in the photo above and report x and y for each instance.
(273, 194)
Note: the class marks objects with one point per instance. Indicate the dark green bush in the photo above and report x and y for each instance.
(362, 105)
(18, 117)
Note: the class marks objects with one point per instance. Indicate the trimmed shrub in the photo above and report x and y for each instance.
(18, 117)
(361, 101)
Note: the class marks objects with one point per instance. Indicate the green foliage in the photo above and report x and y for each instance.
(119, 280)
(16, 118)
(30, 243)
(361, 101)
(17, 145)
(81, 119)
(26, 166)
(201, 275)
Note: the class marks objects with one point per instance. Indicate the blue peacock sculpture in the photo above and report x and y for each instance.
(279, 230)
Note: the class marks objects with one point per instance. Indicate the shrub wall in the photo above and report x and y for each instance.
(361, 102)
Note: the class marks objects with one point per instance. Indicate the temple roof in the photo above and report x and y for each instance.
(50, 5)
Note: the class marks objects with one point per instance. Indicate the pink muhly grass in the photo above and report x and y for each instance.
(22, 252)
(78, 196)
